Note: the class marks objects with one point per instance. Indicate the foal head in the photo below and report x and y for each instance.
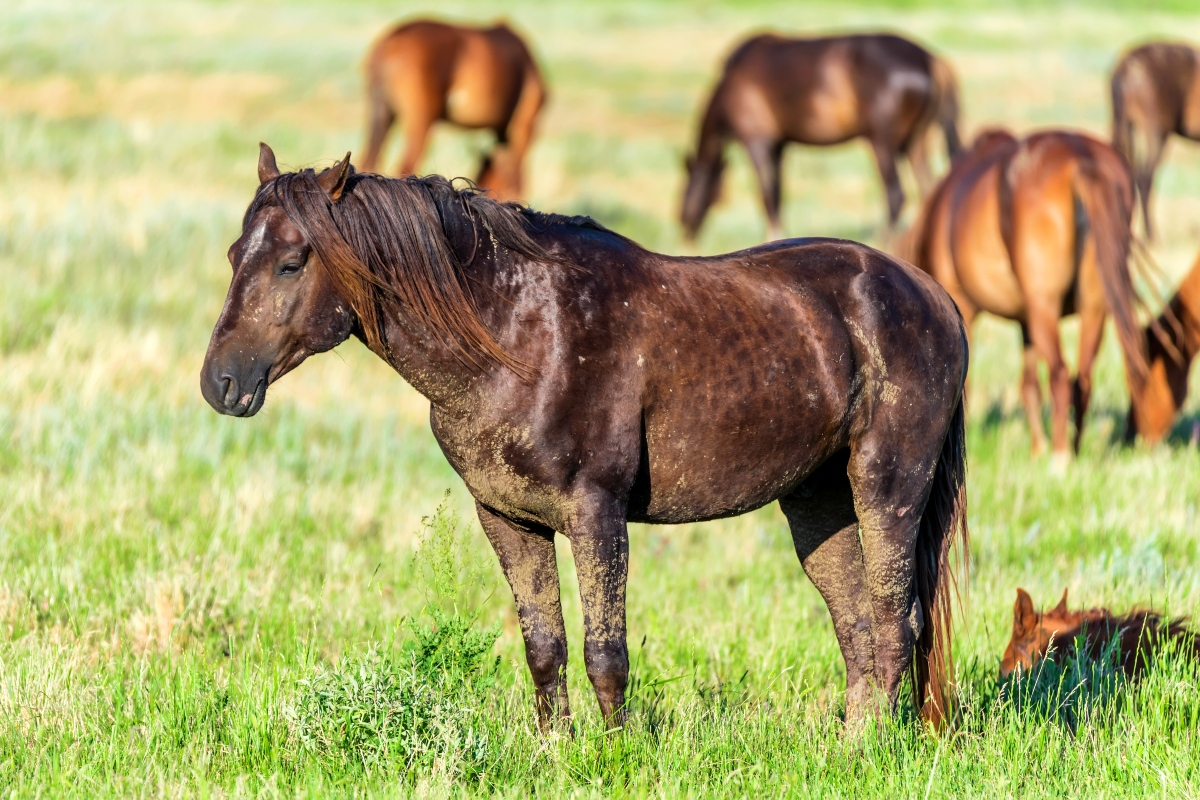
(1033, 633)
(703, 185)
(281, 307)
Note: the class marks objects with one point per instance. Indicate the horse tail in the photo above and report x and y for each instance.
(943, 524)
(1105, 189)
(946, 104)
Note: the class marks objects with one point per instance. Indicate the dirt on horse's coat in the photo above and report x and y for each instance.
(579, 382)
(776, 90)
(1033, 230)
(1132, 637)
(427, 71)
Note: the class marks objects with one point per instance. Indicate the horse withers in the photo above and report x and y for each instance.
(482, 78)
(1131, 638)
(1033, 230)
(578, 382)
(826, 91)
(1155, 93)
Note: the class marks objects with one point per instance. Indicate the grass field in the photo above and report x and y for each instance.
(192, 605)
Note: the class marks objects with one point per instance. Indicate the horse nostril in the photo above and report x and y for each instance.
(229, 393)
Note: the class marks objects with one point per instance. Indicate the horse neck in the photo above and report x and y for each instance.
(443, 374)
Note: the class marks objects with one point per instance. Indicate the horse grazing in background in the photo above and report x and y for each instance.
(1133, 637)
(579, 382)
(428, 71)
(1033, 230)
(822, 91)
(1172, 341)
(1155, 92)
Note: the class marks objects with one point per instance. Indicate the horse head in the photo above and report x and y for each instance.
(1033, 633)
(703, 185)
(281, 307)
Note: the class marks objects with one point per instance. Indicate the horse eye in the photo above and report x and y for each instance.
(289, 268)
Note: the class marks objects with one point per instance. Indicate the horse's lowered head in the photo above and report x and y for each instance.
(1034, 632)
(282, 305)
(703, 185)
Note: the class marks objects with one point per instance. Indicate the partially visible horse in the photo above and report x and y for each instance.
(427, 71)
(1155, 92)
(825, 91)
(579, 382)
(1172, 342)
(1137, 634)
(1033, 230)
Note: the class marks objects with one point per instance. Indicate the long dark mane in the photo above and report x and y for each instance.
(386, 244)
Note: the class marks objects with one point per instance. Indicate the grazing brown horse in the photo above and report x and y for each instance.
(883, 88)
(1155, 92)
(425, 71)
(1138, 634)
(1172, 341)
(579, 382)
(1033, 230)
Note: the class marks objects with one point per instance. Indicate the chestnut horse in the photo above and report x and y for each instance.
(485, 78)
(1137, 635)
(579, 382)
(1155, 92)
(821, 91)
(1172, 341)
(1033, 230)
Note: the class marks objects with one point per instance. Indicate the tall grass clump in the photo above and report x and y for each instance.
(418, 705)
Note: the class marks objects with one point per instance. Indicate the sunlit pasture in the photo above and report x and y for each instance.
(199, 605)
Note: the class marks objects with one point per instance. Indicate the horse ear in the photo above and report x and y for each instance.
(1024, 615)
(1061, 608)
(267, 169)
(333, 180)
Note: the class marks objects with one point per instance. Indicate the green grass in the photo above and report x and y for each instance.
(192, 605)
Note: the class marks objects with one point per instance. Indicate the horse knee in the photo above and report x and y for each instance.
(547, 659)
(608, 668)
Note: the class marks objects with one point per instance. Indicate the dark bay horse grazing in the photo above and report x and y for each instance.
(1172, 342)
(1138, 635)
(774, 90)
(1155, 92)
(426, 71)
(579, 382)
(1033, 230)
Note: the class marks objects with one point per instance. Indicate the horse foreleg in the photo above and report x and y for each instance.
(1146, 165)
(416, 134)
(918, 158)
(820, 513)
(767, 157)
(1091, 332)
(600, 545)
(1031, 393)
(885, 158)
(379, 122)
(527, 559)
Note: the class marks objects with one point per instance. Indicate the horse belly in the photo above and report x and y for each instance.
(480, 93)
(833, 114)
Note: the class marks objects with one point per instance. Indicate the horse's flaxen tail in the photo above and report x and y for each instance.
(946, 104)
(943, 525)
(1105, 190)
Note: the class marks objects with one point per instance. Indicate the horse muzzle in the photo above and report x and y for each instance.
(236, 396)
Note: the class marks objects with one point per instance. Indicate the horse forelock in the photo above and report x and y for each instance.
(387, 246)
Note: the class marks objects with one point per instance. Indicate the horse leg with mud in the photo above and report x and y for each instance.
(528, 561)
(600, 545)
(820, 513)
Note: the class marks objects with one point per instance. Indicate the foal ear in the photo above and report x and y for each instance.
(333, 180)
(267, 169)
(1061, 608)
(1024, 615)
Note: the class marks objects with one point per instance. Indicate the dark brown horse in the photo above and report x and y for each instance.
(1137, 635)
(883, 88)
(578, 382)
(425, 71)
(1033, 230)
(1172, 342)
(1155, 92)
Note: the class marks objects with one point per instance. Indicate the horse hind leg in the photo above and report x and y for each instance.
(380, 118)
(1031, 393)
(820, 513)
(885, 159)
